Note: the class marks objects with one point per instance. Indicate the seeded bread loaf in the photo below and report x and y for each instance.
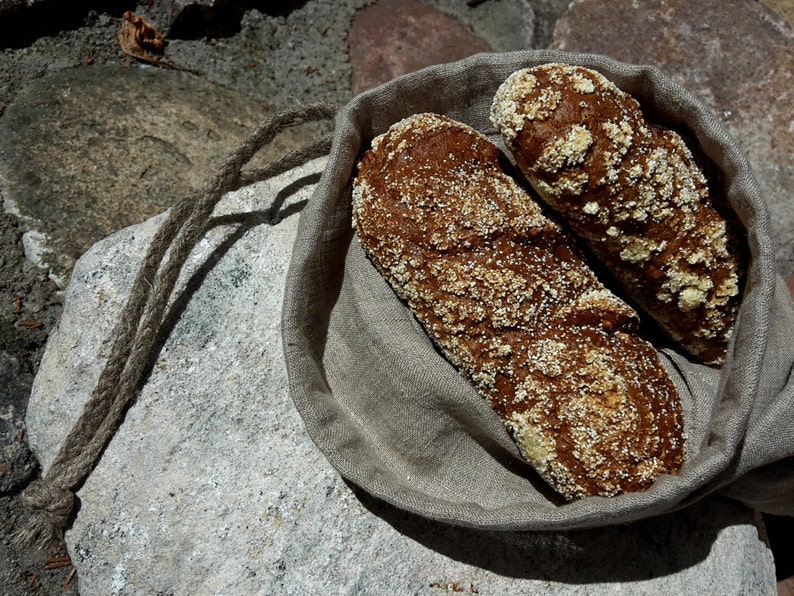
(633, 191)
(505, 294)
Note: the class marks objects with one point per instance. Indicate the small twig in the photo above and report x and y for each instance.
(58, 562)
(68, 579)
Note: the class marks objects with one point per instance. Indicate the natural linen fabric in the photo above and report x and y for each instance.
(394, 417)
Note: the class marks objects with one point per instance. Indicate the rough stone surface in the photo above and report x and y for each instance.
(26, 23)
(29, 308)
(29, 302)
(547, 13)
(395, 37)
(738, 57)
(506, 25)
(170, 11)
(212, 485)
(283, 58)
(17, 463)
(282, 54)
(14, 7)
(84, 153)
(279, 59)
(11, 6)
(78, 130)
(784, 8)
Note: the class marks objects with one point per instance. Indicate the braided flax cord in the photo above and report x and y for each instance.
(50, 500)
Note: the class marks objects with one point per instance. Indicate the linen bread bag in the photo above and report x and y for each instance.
(396, 418)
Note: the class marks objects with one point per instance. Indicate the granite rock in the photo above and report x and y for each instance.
(296, 51)
(212, 485)
(279, 59)
(784, 9)
(11, 6)
(86, 152)
(738, 57)
(395, 37)
(30, 303)
(17, 463)
(29, 308)
(167, 12)
(78, 128)
(14, 7)
(547, 13)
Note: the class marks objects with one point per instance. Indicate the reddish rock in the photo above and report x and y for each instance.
(395, 37)
(790, 282)
(738, 57)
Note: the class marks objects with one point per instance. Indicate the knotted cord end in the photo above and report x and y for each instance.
(49, 510)
(49, 505)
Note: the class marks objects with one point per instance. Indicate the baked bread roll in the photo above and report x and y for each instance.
(633, 191)
(507, 297)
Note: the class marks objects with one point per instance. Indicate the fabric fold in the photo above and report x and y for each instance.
(397, 419)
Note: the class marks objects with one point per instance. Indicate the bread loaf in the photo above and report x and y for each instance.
(505, 294)
(633, 191)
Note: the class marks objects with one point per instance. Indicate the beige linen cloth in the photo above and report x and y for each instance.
(394, 417)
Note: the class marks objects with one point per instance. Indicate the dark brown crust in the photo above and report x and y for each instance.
(633, 192)
(506, 295)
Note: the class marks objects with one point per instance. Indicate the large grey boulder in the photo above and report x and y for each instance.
(212, 485)
(86, 152)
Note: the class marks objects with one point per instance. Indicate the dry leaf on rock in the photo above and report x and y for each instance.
(140, 39)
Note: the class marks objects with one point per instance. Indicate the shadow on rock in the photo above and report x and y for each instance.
(223, 19)
(244, 223)
(633, 552)
(22, 23)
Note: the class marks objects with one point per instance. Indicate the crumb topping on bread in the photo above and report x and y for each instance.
(505, 294)
(633, 191)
